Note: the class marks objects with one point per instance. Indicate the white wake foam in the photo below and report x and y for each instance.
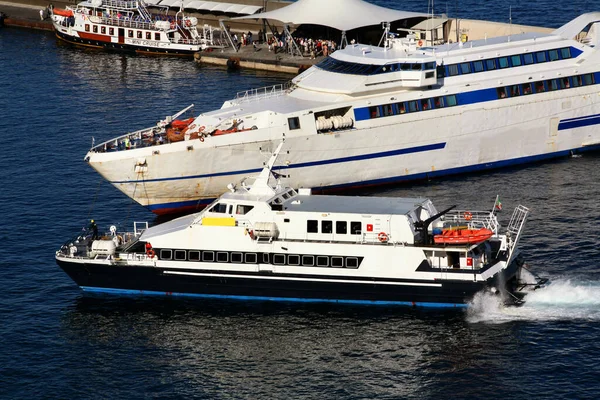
(561, 300)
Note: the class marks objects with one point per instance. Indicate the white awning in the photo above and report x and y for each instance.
(209, 6)
(429, 24)
(343, 15)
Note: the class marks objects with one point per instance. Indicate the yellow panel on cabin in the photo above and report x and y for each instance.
(212, 221)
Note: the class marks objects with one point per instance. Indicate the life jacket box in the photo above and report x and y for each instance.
(103, 248)
(266, 229)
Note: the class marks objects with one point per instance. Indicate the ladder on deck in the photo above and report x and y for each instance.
(515, 228)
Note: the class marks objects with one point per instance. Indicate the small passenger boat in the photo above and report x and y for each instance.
(267, 241)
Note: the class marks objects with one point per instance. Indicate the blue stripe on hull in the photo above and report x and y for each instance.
(127, 292)
(420, 176)
(579, 122)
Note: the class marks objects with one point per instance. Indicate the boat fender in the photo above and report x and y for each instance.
(150, 253)
(420, 43)
(383, 237)
(468, 215)
(251, 234)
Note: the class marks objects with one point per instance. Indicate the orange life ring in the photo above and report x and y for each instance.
(468, 215)
(383, 237)
(420, 43)
(150, 253)
(192, 126)
(201, 128)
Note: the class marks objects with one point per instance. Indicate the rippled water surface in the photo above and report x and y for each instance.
(58, 344)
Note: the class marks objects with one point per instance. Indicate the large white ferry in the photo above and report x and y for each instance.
(371, 115)
(268, 241)
(128, 26)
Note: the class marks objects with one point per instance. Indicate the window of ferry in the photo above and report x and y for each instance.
(111, 31)
(148, 35)
(243, 209)
(577, 81)
(540, 57)
(527, 88)
(588, 79)
(293, 259)
(293, 123)
(355, 228)
(452, 70)
(322, 261)
(501, 92)
(465, 68)
(194, 255)
(308, 261)
(553, 55)
(415, 67)
(103, 30)
(279, 259)
(565, 53)
(388, 109)
(490, 64)
(250, 258)
(312, 226)
(413, 106)
(503, 62)
(222, 256)
(564, 83)
(401, 108)
(157, 36)
(236, 257)
(515, 60)
(166, 254)
(374, 112)
(441, 71)
(540, 87)
(219, 208)
(139, 34)
(208, 256)
(478, 66)
(552, 84)
(438, 102)
(405, 67)
(87, 27)
(337, 262)
(351, 262)
(451, 100)
(130, 33)
(180, 255)
(95, 28)
(527, 58)
(429, 66)
(341, 227)
(326, 227)
(515, 90)
(426, 104)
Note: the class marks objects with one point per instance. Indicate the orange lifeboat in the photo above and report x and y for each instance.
(175, 135)
(62, 12)
(181, 123)
(463, 236)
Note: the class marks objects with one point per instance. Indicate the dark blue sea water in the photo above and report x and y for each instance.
(55, 343)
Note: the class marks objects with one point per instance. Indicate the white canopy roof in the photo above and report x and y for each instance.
(343, 15)
(207, 6)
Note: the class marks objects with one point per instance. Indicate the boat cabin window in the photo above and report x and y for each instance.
(279, 259)
(341, 227)
(230, 209)
(194, 255)
(527, 88)
(326, 227)
(242, 209)
(148, 35)
(452, 70)
(250, 258)
(515, 60)
(308, 261)
(180, 255)
(355, 228)
(208, 256)
(95, 28)
(219, 208)
(111, 31)
(87, 27)
(565, 52)
(490, 64)
(540, 57)
(236, 257)
(139, 34)
(375, 112)
(293, 259)
(130, 33)
(503, 62)
(451, 100)
(351, 262)
(553, 55)
(413, 106)
(478, 66)
(322, 261)
(539, 87)
(166, 254)
(312, 226)
(337, 262)
(465, 68)
(103, 30)
(293, 123)
(157, 36)
(222, 257)
(528, 58)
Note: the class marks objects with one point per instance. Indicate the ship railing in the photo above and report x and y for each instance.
(471, 220)
(120, 4)
(129, 23)
(263, 92)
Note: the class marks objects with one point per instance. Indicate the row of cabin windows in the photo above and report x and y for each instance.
(305, 260)
(341, 227)
(387, 110)
(545, 86)
(130, 32)
(224, 208)
(344, 67)
(516, 60)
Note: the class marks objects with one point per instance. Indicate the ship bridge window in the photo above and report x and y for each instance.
(405, 67)
(528, 58)
(429, 66)
(355, 228)
(341, 227)
(312, 226)
(293, 123)
(452, 70)
(415, 67)
(219, 208)
(242, 209)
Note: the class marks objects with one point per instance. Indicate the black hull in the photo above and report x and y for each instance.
(122, 47)
(135, 280)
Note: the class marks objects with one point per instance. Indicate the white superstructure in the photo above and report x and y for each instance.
(371, 115)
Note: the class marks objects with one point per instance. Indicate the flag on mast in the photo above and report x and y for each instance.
(498, 204)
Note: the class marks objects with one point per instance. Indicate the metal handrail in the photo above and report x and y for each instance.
(263, 92)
